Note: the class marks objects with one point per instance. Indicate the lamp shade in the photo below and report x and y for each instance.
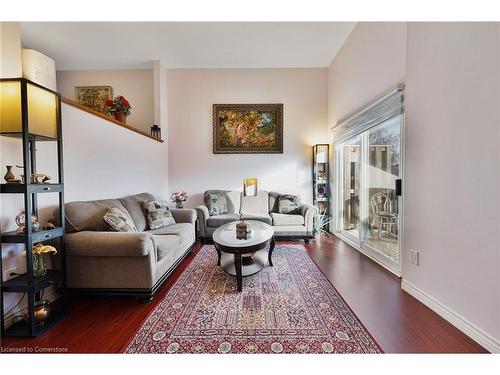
(42, 106)
(10, 107)
(321, 153)
(42, 112)
(250, 187)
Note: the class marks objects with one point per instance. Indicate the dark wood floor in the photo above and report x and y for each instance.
(398, 322)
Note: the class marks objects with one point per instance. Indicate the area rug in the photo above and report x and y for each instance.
(288, 308)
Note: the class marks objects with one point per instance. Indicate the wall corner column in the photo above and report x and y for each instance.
(10, 51)
(160, 96)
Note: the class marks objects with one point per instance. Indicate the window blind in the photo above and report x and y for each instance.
(388, 106)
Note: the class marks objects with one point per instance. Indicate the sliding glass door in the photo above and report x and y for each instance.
(368, 198)
(349, 188)
(383, 171)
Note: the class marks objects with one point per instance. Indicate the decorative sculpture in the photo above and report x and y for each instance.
(21, 223)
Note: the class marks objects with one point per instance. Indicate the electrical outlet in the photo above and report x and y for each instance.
(7, 273)
(414, 257)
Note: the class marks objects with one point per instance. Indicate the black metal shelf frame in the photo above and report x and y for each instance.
(321, 199)
(32, 188)
(27, 283)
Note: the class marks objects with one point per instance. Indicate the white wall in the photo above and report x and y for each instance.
(135, 85)
(451, 185)
(192, 165)
(10, 50)
(452, 177)
(101, 160)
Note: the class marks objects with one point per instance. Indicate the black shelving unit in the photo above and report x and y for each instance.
(321, 184)
(31, 287)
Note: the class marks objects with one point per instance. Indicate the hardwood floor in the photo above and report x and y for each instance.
(398, 322)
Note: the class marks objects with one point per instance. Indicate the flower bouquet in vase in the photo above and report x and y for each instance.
(179, 197)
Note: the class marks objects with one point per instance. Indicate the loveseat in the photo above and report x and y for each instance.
(262, 207)
(100, 261)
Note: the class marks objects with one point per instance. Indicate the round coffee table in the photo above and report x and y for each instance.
(244, 257)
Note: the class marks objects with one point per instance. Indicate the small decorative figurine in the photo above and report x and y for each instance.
(35, 178)
(21, 223)
(39, 178)
(243, 230)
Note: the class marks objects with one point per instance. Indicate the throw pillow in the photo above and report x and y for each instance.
(289, 204)
(216, 203)
(119, 221)
(158, 214)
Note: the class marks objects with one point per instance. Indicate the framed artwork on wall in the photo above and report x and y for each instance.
(94, 97)
(248, 128)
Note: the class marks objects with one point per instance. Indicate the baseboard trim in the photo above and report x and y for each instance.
(481, 337)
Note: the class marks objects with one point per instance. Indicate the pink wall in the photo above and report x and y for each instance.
(135, 85)
(452, 158)
(451, 181)
(371, 62)
(192, 165)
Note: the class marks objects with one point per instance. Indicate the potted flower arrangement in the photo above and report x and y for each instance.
(178, 198)
(119, 107)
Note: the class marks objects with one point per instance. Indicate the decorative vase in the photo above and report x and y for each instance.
(9, 175)
(120, 116)
(179, 205)
(39, 267)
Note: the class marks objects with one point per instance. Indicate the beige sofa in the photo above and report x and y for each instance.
(263, 207)
(131, 263)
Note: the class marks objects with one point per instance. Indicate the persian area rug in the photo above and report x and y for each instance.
(288, 308)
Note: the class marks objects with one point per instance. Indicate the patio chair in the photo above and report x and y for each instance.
(382, 215)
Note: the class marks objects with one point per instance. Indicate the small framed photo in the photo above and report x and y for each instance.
(94, 97)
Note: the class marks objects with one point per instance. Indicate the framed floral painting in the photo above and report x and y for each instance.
(248, 128)
(94, 97)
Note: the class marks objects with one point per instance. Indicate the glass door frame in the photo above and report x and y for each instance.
(357, 243)
(339, 197)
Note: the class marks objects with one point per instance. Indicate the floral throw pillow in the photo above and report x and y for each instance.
(216, 204)
(289, 204)
(158, 214)
(119, 221)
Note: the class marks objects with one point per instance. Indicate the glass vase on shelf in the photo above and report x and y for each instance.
(39, 267)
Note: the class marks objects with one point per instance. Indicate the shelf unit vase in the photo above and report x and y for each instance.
(32, 113)
(321, 181)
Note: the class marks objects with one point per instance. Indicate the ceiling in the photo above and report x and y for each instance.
(133, 45)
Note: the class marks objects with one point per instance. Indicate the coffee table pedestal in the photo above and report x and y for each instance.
(242, 258)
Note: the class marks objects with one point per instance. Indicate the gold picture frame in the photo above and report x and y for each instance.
(248, 128)
(94, 97)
